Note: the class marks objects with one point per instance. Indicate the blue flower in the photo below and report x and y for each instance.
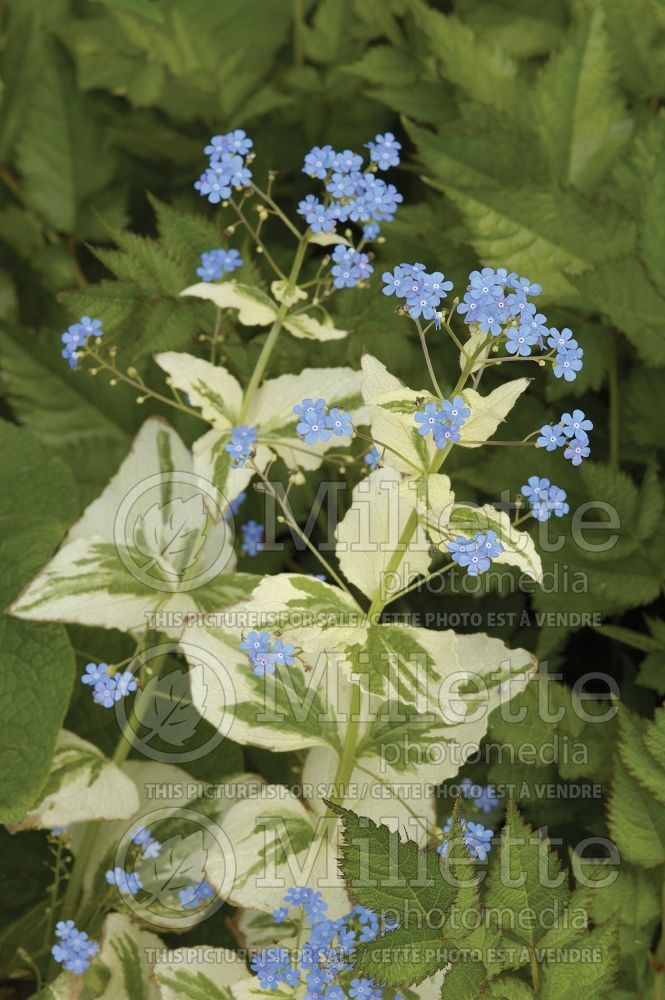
(124, 683)
(309, 407)
(256, 642)
(371, 230)
(77, 335)
(347, 162)
(214, 263)
(75, 949)
(361, 989)
(544, 498)
(551, 437)
(520, 340)
(94, 672)
(339, 422)
(561, 340)
(350, 266)
(456, 410)
(422, 292)
(127, 884)
(280, 914)
(235, 505)
(578, 448)
(313, 427)
(428, 419)
(319, 217)
(104, 692)
(568, 362)
(477, 839)
(384, 151)
(482, 798)
(574, 423)
(476, 554)
(241, 445)
(227, 166)
(143, 838)
(318, 161)
(195, 894)
(252, 538)
(372, 458)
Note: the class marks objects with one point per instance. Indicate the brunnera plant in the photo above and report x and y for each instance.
(375, 713)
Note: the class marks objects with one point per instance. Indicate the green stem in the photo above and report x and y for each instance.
(614, 401)
(275, 330)
(535, 971)
(428, 360)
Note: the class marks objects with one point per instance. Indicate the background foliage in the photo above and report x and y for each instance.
(535, 137)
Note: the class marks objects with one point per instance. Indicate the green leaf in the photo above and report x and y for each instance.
(525, 877)
(60, 153)
(577, 110)
(38, 501)
(636, 822)
(402, 881)
(591, 980)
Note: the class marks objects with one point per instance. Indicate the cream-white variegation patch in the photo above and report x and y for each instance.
(128, 952)
(157, 540)
(255, 308)
(82, 785)
(271, 411)
(519, 547)
(370, 534)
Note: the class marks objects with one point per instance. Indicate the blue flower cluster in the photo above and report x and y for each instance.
(265, 654)
(252, 538)
(192, 895)
(317, 423)
(422, 292)
(570, 433)
(443, 422)
(475, 836)
(497, 301)
(482, 798)
(228, 156)
(325, 967)
(352, 194)
(77, 335)
(568, 357)
(544, 498)
(108, 688)
(235, 506)
(128, 884)
(241, 445)
(215, 263)
(350, 266)
(75, 949)
(143, 838)
(476, 554)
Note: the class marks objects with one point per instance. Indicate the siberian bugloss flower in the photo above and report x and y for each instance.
(574, 423)
(77, 335)
(544, 498)
(318, 424)
(214, 263)
(128, 884)
(422, 292)
(578, 448)
(241, 445)
(444, 422)
(482, 797)
(193, 895)
(350, 266)
(228, 157)
(252, 538)
(477, 839)
(476, 554)
(372, 458)
(74, 949)
(94, 673)
(551, 437)
(384, 151)
(143, 838)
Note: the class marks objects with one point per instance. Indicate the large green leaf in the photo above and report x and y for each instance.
(38, 501)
